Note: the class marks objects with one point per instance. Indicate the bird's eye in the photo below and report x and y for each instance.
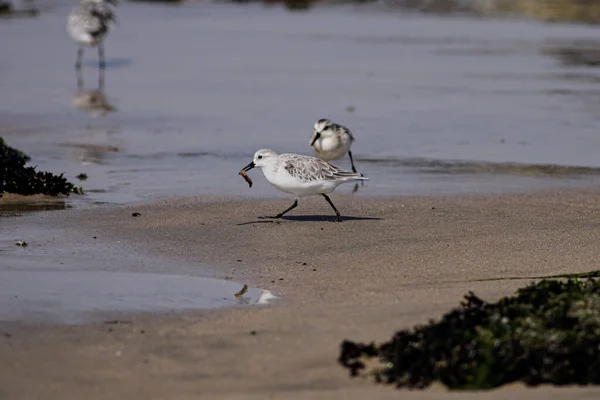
(259, 157)
(325, 128)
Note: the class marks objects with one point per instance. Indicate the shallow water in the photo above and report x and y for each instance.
(64, 277)
(83, 296)
(197, 88)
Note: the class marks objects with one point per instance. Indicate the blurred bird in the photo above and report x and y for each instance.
(88, 24)
(331, 141)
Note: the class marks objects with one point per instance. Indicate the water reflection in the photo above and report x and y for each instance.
(13, 204)
(93, 101)
(64, 294)
(88, 153)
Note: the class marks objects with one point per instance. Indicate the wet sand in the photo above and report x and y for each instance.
(392, 263)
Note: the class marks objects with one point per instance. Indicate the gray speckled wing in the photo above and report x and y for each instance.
(307, 169)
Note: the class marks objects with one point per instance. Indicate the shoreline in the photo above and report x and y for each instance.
(364, 279)
(312, 213)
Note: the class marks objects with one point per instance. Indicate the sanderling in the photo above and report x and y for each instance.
(88, 24)
(331, 141)
(301, 175)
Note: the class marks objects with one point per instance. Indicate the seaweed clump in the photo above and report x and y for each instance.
(16, 178)
(7, 10)
(549, 333)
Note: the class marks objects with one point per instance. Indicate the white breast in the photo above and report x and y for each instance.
(76, 30)
(332, 148)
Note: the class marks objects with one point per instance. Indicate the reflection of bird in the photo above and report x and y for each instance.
(331, 141)
(93, 101)
(88, 24)
(92, 153)
(301, 176)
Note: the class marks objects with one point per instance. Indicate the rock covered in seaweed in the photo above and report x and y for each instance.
(16, 178)
(548, 333)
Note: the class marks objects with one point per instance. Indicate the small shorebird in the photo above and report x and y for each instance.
(88, 24)
(331, 141)
(301, 176)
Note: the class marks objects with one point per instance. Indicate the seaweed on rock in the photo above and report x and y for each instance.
(16, 178)
(548, 333)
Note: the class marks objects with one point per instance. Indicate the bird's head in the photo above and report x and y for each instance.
(323, 128)
(261, 159)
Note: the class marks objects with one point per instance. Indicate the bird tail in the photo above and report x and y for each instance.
(352, 176)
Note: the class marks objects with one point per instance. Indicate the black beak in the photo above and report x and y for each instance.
(249, 167)
(317, 136)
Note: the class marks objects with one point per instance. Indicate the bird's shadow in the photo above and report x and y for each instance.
(308, 218)
(111, 63)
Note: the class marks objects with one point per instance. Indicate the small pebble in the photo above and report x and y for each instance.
(136, 214)
(253, 333)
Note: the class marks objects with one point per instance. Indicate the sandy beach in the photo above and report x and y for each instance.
(392, 263)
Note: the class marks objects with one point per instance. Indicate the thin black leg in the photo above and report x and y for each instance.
(79, 57)
(354, 170)
(101, 56)
(101, 80)
(352, 162)
(339, 217)
(286, 210)
(79, 79)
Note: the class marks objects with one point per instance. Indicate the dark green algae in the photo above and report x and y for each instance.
(17, 178)
(549, 333)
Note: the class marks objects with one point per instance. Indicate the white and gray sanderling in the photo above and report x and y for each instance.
(301, 176)
(88, 24)
(331, 141)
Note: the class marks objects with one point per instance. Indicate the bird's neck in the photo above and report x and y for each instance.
(269, 172)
